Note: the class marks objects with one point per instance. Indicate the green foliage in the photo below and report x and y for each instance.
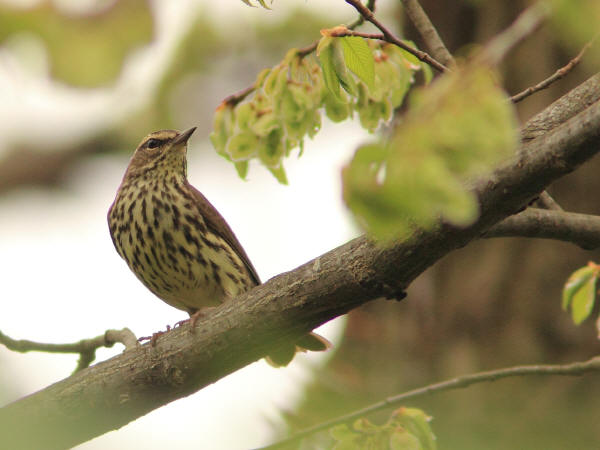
(577, 22)
(261, 2)
(459, 127)
(579, 292)
(87, 50)
(288, 99)
(407, 429)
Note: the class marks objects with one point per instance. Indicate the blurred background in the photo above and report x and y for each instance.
(81, 82)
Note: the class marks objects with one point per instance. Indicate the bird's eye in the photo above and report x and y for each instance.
(152, 143)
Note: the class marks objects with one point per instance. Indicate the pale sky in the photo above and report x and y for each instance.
(63, 281)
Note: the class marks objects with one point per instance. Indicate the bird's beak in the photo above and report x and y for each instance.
(183, 137)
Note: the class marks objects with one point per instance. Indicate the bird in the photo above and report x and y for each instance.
(177, 243)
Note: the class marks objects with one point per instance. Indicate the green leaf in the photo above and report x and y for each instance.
(359, 59)
(416, 422)
(339, 65)
(222, 128)
(264, 123)
(576, 280)
(244, 115)
(242, 146)
(275, 81)
(341, 432)
(334, 109)
(279, 174)
(325, 53)
(401, 439)
(271, 149)
(262, 3)
(583, 301)
(242, 168)
(427, 72)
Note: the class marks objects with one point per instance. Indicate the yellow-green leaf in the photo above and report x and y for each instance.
(242, 146)
(279, 174)
(359, 59)
(576, 280)
(242, 168)
(339, 65)
(583, 301)
(325, 54)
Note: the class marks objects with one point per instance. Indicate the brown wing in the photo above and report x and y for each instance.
(216, 224)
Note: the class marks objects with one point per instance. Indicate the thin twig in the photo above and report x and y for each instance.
(573, 369)
(428, 32)
(234, 99)
(342, 32)
(358, 22)
(560, 73)
(85, 347)
(392, 39)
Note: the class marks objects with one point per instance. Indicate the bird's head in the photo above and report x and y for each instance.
(161, 152)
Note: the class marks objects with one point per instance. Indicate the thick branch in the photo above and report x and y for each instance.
(572, 369)
(563, 109)
(114, 392)
(580, 229)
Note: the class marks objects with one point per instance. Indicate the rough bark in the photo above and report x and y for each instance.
(112, 393)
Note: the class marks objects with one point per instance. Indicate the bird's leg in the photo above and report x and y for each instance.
(195, 316)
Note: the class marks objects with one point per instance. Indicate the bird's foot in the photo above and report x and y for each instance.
(154, 336)
(197, 315)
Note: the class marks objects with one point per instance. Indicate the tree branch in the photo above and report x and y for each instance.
(428, 32)
(547, 202)
(391, 38)
(358, 22)
(85, 347)
(572, 369)
(560, 73)
(569, 105)
(112, 393)
(580, 229)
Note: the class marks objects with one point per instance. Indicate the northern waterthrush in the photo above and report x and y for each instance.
(176, 242)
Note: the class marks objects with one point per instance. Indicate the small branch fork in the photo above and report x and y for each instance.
(572, 369)
(388, 36)
(85, 347)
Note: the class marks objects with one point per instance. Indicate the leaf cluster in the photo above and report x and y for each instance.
(288, 99)
(459, 127)
(407, 429)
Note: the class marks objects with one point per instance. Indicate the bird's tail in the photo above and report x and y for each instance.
(309, 342)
